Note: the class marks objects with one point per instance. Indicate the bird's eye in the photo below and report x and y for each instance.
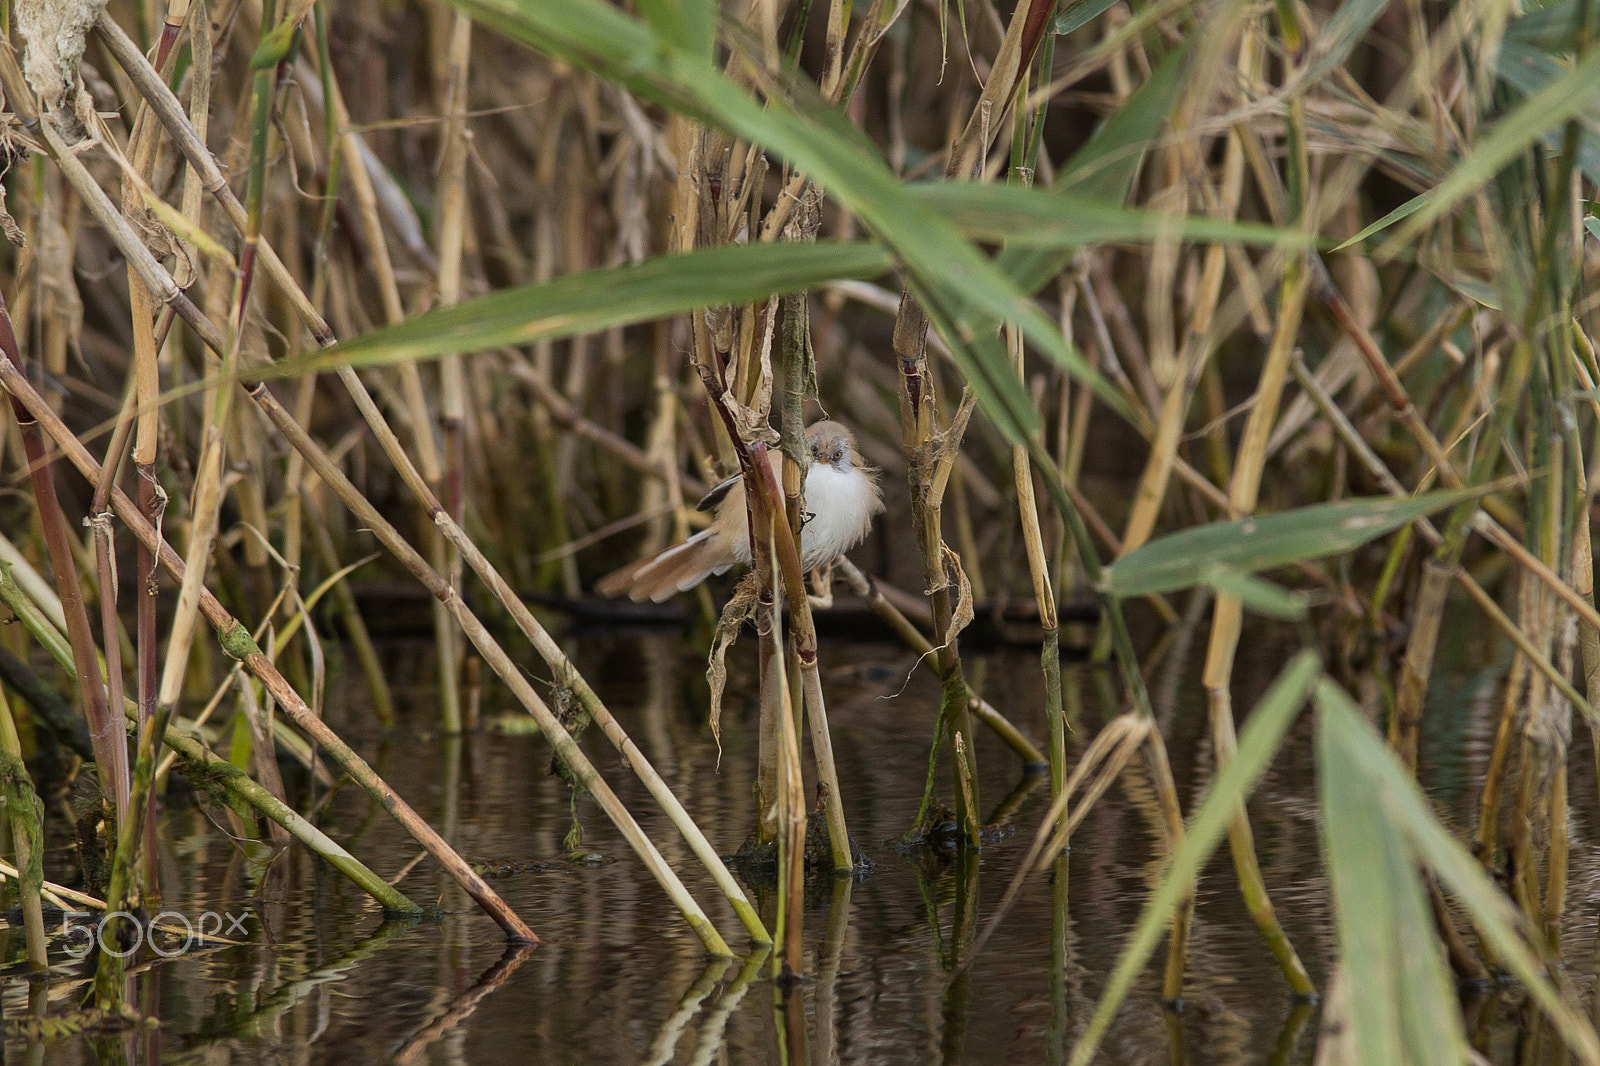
(838, 454)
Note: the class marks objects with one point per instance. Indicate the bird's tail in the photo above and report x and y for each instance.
(675, 570)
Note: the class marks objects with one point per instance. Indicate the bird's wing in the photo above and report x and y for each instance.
(712, 499)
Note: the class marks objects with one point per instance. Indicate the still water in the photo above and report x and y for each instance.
(322, 977)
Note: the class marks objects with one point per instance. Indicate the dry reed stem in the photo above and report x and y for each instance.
(788, 504)
(791, 817)
(1043, 592)
(1200, 341)
(147, 396)
(926, 446)
(1228, 617)
(452, 226)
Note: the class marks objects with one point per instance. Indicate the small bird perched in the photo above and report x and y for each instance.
(841, 500)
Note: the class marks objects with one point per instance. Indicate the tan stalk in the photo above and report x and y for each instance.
(452, 226)
(147, 389)
(206, 500)
(791, 796)
(1198, 346)
(1044, 596)
(1228, 616)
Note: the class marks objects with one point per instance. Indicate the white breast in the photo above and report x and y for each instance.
(842, 505)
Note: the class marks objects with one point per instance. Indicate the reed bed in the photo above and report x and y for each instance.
(1283, 309)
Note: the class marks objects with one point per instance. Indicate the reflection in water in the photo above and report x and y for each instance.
(890, 975)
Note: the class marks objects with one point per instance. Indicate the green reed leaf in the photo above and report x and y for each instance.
(1182, 560)
(602, 299)
(1402, 1006)
(1356, 766)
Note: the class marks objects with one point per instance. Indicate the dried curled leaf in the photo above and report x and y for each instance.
(152, 231)
(55, 31)
(738, 611)
(962, 615)
(947, 446)
(9, 225)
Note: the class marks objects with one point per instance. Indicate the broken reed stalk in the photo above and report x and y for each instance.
(773, 547)
(924, 446)
(1043, 594)
(789, 814)
(206, 768)
(805, 645)
(1025, 143)
(166, 107)
(1045, 598)
(205, 506)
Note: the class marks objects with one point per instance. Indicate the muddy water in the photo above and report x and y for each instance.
(320, 976)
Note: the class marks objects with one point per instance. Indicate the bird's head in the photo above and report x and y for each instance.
(834, 445)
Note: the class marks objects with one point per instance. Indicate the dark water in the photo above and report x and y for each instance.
(620, 978)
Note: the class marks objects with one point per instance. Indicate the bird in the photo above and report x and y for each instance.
(841, 499)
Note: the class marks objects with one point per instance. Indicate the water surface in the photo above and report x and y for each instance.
(620, 978)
